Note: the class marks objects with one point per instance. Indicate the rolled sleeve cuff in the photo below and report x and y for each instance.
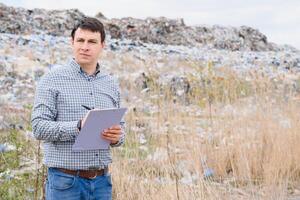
(69, 130)
(120, 142)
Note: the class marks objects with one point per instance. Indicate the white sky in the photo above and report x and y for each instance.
(277, 19)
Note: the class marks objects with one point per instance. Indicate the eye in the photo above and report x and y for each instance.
(80, 40)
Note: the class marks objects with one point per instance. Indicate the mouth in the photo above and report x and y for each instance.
(84, 55)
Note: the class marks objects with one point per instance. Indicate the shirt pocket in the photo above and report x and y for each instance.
(69, 107)
(68, 104)
(105, 100)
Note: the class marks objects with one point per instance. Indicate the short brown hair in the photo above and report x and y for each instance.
(91, 24)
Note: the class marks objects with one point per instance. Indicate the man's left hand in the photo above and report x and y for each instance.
(112, 134)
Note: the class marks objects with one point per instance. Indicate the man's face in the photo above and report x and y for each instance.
(87, 47)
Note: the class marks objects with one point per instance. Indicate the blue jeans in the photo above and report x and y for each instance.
(64, 186)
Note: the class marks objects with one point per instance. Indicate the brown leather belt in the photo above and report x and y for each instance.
(88, 174)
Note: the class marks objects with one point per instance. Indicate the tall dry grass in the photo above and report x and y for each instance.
(246, 131)
(230, 136)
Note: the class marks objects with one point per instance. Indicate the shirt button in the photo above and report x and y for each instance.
(91, 93)
(96, 154)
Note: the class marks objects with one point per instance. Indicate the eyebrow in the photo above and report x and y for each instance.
(93, 40)
(89, 40)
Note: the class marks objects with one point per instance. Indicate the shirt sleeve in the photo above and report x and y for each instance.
(43, 118)
(122, 123)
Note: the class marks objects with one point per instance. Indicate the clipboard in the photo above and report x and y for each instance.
(89, 137)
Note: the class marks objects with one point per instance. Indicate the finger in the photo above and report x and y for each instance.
(112, 133)
(118, 127)
(112, 130)
(112, 140)
(115, 132)
(110, 137)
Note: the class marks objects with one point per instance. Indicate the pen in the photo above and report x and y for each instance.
(86, 107)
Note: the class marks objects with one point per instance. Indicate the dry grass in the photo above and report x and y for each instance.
(255, 156)
(243, 127)
(246, 131)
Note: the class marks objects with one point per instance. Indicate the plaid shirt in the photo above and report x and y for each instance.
(57, 109)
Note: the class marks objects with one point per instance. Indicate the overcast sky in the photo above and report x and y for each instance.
(279, 20)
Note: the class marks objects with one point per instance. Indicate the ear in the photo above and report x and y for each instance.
(103, 45)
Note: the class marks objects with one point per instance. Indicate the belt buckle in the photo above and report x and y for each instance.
(95, 175)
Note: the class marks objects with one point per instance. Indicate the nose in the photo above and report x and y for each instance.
(85, 46)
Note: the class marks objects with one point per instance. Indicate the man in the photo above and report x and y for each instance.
(58, 115)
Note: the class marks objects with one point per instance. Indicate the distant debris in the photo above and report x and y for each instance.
(151, 30)
(6, 147)
(38, 21)
(100, 15)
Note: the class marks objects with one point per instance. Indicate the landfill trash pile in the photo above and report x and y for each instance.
(151, 30)
(24, 59)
